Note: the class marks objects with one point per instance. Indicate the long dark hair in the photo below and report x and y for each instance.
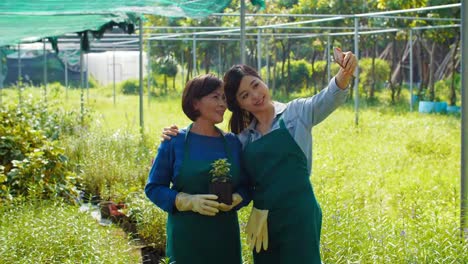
(240, 118)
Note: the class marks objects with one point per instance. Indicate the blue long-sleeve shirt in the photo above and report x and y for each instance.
(168, 162)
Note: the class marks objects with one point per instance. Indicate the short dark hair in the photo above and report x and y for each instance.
(197, 88)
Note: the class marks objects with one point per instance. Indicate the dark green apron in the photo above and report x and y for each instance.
(193, 238)
(278, 168)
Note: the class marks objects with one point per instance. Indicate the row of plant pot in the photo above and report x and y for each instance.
(437, 107)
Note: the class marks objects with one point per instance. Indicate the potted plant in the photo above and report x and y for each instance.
(221, 182)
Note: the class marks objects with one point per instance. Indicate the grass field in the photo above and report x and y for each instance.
(389, 187)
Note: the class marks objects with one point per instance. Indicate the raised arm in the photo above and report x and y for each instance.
(315, 109)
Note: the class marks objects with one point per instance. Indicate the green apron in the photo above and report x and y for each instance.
(193, 238)
(278, 168)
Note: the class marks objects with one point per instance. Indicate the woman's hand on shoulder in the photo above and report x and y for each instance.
(169, 132)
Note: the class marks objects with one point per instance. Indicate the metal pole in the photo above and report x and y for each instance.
(45, 68)
(411, 68)
(328, 57)
(267, 63)
(220, 73)
(20, 78)
(464, 121)
(194, 56)
(81, 85)
(356, 79)
(242, 31)
(87, 78)
(66, 75)
(182, 67)
(113, 73)
(141, 74)
(259, 50)
(1, 78)
(148, 72)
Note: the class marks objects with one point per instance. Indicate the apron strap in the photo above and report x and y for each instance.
(281, 123)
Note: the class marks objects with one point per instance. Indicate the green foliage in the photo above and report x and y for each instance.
(166, 66)
(112, 165)
(33, 164)
(443, 90)
(220, 171)
(53, 232)
(150, 220)
(92, 82)
(402, 179)
(300, 71)
(130, 86)
(366, 77)
(389, 187)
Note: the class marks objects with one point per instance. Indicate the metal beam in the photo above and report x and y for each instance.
(356, 78)
(242, 31)
(411, 68)
(464, 122)
(141, 73)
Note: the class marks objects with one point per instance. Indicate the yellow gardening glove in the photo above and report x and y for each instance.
(257, 229)
(204, 204)
(236, 199)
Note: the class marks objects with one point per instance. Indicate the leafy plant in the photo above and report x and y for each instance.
(32, 165)
(220, 171)
(150, 221)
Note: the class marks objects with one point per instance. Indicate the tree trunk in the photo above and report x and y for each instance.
(189, 66)
(287, 87)
(372, 86)
(207, 61)
(392, 85)
(431, 73)
(275, 54)
(419, 61)
(165, 83)
(453, 94)
(283, 61)
(313, 70)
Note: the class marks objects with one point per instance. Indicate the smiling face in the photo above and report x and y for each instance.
(253, 94)
(211, 107)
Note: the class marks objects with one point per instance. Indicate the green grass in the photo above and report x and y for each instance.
(52, 232)
(389, 188)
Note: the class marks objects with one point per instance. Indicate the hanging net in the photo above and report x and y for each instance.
(27, 21)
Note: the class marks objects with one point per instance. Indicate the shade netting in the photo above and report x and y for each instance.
(31, 20)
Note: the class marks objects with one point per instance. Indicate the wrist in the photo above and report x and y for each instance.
(342, 79)
(236, 199)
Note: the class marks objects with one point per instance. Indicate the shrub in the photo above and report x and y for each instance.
(130, 86)
(32, 165)
(150, 220)
(442, 89)
(381, 71)
(112, 165)
(300, 71)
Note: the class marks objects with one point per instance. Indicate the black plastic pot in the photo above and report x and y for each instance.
(223, 190)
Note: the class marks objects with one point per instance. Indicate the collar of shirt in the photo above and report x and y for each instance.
(279, 109)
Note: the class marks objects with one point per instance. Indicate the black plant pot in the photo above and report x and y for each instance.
(223, 190)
